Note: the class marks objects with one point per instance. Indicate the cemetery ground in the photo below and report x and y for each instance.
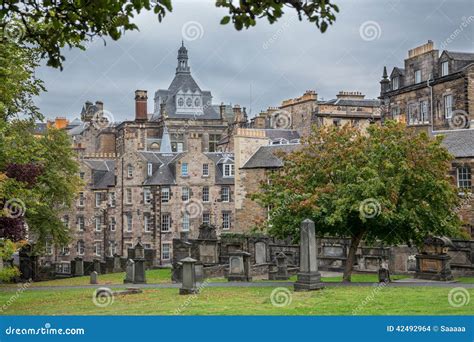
(55, 298)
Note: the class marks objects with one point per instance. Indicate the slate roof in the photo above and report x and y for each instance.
(288, 134)
(77, 130)
(353, 103)
(103, 173)
(265, 156)
(219, 158)
(164, 167)
(459, 143)
(461, 56)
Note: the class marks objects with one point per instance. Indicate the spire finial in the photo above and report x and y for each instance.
(182, 43)
(385, 72)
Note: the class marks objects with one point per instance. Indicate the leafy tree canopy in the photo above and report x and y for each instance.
(389, 184)
(51, 25)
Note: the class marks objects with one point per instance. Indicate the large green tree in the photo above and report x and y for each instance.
(389, 184)
(53, 24)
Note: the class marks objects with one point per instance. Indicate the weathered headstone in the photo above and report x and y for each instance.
(282, 268)
(189, 277)
(433, 263)
(308, 277)
(239, 266)
(129, 272)
(96, 265)
(199, 271)
(94, 278)
(79, 267)
(139, 275)
(384, 275)
(260, 253)
(117, 264)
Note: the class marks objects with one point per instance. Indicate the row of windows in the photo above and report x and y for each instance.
(418, 76)
(228, 170)
(419, 112)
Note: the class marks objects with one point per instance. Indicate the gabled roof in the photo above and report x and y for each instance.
(265, 157)
(219, 159)
(288, 134)
(353, 102)
(103, 173)
(460, 143)
(398, 71)
(460, 56)
(164, 170)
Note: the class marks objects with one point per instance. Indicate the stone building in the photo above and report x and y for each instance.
(432, 91)
(153, 178)
(301, 113)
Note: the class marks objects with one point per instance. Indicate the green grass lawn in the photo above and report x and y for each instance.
(241, 301)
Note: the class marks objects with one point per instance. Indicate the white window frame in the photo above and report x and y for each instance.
(147, 222)
(98, 223)
(448, 106)
(166, 256)
(112, 224)
(112, 199)
(206, 194)
(167, 221)
(97, 248)
(395, 83)
(186, 222)
(463, 178)
(228, 170)
(81, 199)
(149, 169)
(225, 194)
(128, 196)
(424, 111)
(165, 195)
(98, 199)
(225, 220)
(80, 247)
(444, 68)
(129, 171)
(417, 76)
(208, 218)
(146, 195)
(129, 221)
(205, 170)
(81, 223)
(184, 170)
(185, 194)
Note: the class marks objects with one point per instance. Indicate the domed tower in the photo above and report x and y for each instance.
(183, 67)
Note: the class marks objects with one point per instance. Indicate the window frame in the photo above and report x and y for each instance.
(149, 169)
(168, 194)
(184, 170)
(186, 222)
(205, 170)
(225, 199)
(417, 76)
(206, 194)
(464, 183)
(168, 255)
(448, 111)
(228, 170)
(228, 225)
(168, 223)
(444, 71)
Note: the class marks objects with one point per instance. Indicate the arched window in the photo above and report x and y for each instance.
(189, 102)
(197, 103)
(180, 102)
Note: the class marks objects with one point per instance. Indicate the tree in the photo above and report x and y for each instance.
(52, 25)
(387, 185)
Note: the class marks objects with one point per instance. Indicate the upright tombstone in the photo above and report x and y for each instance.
(117, 264)
(309, 278)
(94, 278)
(79, 267)
(282, 268)
(433, 263)
(189, 276)
(129, 272)
(96, 263)
(239, 266)
(139, 274)
(260, 253)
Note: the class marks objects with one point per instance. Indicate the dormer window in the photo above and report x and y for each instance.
(149, 169)
(444, 68)
(228, 170)
(417, 76)
(395, 83)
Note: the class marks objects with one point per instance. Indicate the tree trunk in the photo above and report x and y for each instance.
(346, 278)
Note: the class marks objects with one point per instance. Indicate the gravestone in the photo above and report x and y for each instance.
(384, 275)
(129, 272)
(433, 263)
(260, 253)
(117, 264)
(239, 266)
(199, 271)
(189, 277)
(79, 267)
(94, 278)
(139, 275)
(282, 268)
(96, 263)
(309, 278)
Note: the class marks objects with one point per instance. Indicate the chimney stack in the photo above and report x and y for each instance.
(141, 111)
(222, 110)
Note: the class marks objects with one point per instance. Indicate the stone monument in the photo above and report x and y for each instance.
(309, 278)
(281, 272)
(79, 267)
(139, 274)
(239, 266)
(433, 261)
(189, 277)
(117, 264)
(94, 278)
(129, 272)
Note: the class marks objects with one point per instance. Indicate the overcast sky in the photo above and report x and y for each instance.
(276, 61)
